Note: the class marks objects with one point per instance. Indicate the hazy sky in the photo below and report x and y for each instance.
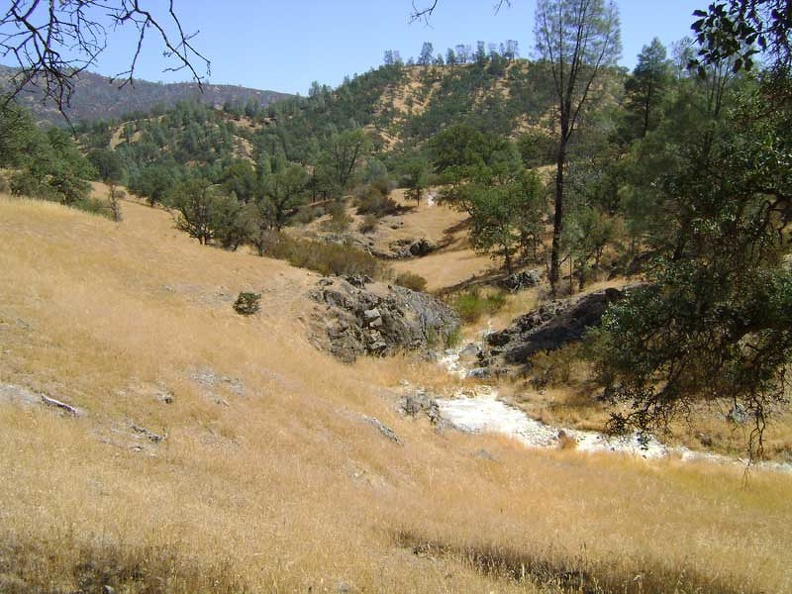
(284, 45)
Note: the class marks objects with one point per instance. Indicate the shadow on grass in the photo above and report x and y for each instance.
(63, 567)
(566, 573)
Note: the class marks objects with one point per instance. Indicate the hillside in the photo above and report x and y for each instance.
(215, 453)
(96, 98)
(388, 118)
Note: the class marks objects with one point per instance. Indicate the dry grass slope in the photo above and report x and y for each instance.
(268, 479)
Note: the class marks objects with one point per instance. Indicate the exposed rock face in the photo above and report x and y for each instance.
(403, 249)
(524, 279)
(359, 317)
(547, 328)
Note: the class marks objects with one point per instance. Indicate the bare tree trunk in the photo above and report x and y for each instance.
(558, 216)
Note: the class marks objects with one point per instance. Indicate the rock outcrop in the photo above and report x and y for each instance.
(547, 328)
(356, 316)
(404, 249)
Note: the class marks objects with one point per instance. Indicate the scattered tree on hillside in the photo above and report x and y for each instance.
(282, 195)
(154, 182)
(577, 38)
(17, 134)
(506, 217)
(341, 158)
(240, 179)
(647, 85)
(207, 213)
(45, 164)
(427, 51)
(108, 164)
(416, 177)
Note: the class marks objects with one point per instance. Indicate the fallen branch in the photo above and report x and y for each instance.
(61, 405)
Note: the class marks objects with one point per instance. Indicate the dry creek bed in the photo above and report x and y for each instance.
(484, 412)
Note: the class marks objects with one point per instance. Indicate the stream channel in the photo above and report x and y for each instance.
(484, 412)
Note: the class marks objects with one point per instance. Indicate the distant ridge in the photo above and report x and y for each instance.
(95, 97)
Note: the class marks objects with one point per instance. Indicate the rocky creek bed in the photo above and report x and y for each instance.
(480, 410)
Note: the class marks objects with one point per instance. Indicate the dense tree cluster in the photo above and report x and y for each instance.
(45, 164)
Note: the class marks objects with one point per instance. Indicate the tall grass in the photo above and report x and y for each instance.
(269, 478)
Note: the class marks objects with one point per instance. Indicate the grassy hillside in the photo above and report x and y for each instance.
(217, 453)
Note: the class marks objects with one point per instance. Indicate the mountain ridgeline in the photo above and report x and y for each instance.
(95, 97)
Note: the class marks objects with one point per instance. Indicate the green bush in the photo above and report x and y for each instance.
(373, 199)
(411, 281)
(471, 305)
(94, 206)
(247, 304)
(324, 258)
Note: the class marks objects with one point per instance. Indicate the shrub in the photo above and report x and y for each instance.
(94, 206)
(339, 219)
(373, 199)
(333, 259)
(369, 224)
(308, 214)
(411, 281)
(36, 566)
(561, 367)
(324, 258)
(471, 305)
(247, 304)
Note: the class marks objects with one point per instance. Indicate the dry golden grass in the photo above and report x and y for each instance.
(455, 262)
(269, 479)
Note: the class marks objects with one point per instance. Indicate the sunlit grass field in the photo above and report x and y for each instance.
(217, 453)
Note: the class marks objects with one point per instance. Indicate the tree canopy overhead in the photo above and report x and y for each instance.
(742, 29)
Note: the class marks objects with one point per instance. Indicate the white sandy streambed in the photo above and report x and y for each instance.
(484, 413)
(481, 411)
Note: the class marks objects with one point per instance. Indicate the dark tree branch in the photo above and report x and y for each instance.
(423, 12)
(53, 42)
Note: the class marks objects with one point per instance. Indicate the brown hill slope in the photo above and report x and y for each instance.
(216, 453)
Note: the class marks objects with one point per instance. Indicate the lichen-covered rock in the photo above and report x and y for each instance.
(377, 319)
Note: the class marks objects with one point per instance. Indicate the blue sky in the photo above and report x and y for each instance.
(284, 45)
